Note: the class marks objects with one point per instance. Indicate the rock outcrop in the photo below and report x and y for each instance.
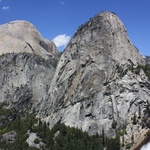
(24, 80)
(95, 86)
(27, 65)
(22, 36)
(9, 137)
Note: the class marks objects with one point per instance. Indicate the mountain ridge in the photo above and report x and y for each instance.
(99, 83)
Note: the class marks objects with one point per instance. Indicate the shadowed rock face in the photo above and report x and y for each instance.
(27, 65)
(24, 80)
(22, 36)
(93, 85)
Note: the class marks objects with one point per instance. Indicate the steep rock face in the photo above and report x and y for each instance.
(51, 48)
(27, 65)
(24, 80)
(94, 86)
(21, 36)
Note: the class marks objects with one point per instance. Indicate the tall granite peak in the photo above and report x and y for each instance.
(94, 85)
(99, 45)
(21, 36)
(107, 29)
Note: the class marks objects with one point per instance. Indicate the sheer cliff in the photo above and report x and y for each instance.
(96, 85)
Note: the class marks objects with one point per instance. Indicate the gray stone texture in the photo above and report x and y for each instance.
(93, 85)
(27, 65)
(21, 36)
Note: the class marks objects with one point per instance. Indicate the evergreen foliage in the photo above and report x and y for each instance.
(114, 124)
(20, 125)
(134, 120)
(54, 62)
(146, 117)
(60, 137)
(145, 68)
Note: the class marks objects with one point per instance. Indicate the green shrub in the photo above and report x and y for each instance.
(54, 62)
(122, 132)
(128, 146)
(36, 141)
(145, 68)
(114, 124)
(134, 120)
(35, 129)
(33, 148)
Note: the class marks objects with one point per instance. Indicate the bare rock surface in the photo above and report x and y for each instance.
(27, 65)
(24, 80)
(21, 36)
(9, 137)
(94, 86)
(30, 141)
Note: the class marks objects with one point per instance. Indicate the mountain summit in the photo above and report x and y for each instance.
(21, 36)
(95, 85)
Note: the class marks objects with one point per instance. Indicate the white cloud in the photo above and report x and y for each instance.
(61, 40)
(5, 7)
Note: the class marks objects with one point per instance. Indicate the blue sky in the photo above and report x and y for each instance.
(59, 19)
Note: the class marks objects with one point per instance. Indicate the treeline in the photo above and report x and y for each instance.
(60, 137)
(20, 127)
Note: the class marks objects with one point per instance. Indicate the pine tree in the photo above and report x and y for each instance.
(103, 137)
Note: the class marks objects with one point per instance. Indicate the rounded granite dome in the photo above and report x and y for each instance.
(21, 36)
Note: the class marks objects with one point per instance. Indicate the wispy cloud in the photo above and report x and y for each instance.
(61, 2)
(5, 7)
(61, 40)
(0, 0)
